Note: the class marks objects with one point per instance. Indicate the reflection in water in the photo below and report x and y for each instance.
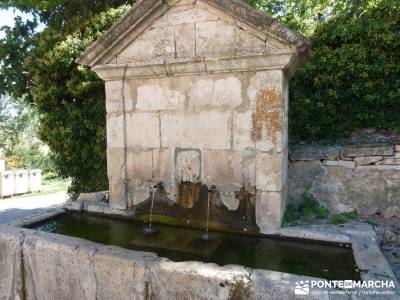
(182, 244)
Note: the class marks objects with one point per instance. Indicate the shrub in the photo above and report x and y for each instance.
(71, 103)
(352, 80)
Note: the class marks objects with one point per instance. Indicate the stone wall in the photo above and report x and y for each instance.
(197, 97)
(346, 178)
(220, 129)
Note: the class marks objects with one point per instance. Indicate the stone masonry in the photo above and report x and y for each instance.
(346, 178)
(197, 91)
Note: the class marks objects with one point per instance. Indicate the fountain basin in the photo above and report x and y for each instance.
(179, 244)
(37, 264)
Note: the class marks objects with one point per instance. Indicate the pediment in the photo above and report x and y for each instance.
(185, 29)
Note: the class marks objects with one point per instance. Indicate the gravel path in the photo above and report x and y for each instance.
(14, 208)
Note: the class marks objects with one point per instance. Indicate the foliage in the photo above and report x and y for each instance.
(14, 78)
(343, 217)
(71, 101)
(352, 80)
(69, 98)
(307, 211)
(300, 15)
(18, 138)
(65, 15)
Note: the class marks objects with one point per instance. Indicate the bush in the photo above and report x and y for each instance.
(307, 211)
(71, 103)
(352, 80)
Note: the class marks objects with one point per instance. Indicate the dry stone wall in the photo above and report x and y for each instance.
(346, 178)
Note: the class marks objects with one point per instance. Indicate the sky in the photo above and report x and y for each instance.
(7, 18)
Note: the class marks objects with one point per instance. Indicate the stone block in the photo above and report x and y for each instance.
(222, 168)
(389, 161)
(159, 96)
(311, 152)
(219, 94)
(269, 211)
(262, 80)
(219, 38)
(330, 163)
(209, 130)
(120, 274)
(118, 195)
(269, 176)
(140, 165)
(58, 267)
(185, 40)
(349, 164)
(189, 14)
(92, 197)
(114, 101)
(368, 160)
(77, 206)
(243, 131)
(346, 164)
(380, 171)
(143, 130)
(115, 131)
(163, 165)
(359, 151)
(116, 164)
(95, 208)
(138, 191)
(11, 278)
(397, 148)
(391, 212)
(188, 165)
(158, 41)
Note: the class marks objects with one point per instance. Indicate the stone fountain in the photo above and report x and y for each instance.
(197, 95)
(197, 101)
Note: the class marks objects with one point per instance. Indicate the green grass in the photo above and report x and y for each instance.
(343, 217)
(309, 210)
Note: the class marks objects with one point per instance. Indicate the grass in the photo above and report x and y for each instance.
(309, 210)
(343, 217)
(51, 184)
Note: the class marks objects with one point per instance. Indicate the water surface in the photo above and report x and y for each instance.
(181, 244)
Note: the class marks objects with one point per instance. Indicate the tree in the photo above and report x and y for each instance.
(352, 80)
(18, 137)
(69, 99)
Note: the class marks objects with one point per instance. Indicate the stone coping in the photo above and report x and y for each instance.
(198, 65)
(86, 268)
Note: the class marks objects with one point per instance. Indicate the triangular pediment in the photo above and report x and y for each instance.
(173, 29)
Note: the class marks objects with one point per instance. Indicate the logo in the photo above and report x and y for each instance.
(302, 288)
(344, 287)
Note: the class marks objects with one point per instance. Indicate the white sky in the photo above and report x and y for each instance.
(7, 18)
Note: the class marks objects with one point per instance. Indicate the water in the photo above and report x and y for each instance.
(181, 244)
(206, 237)
(150, 230)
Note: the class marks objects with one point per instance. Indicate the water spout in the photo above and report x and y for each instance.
(206, 236)
(150, 229)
